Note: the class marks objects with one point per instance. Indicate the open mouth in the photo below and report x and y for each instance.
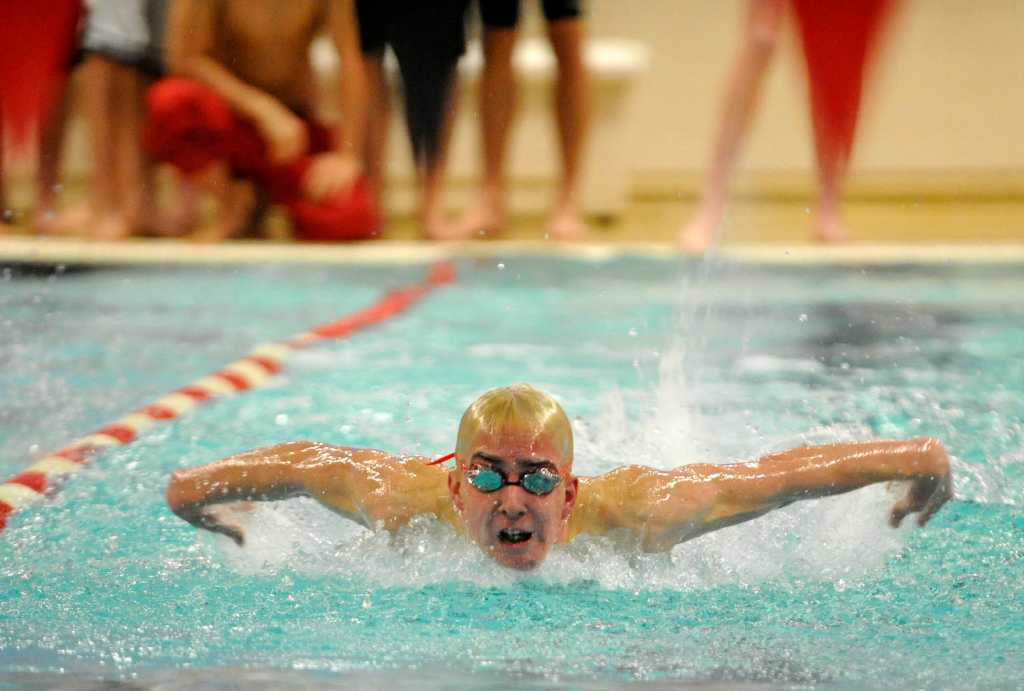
(513, 536)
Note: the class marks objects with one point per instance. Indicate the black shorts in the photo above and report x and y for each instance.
(436, 28)
(504, 14)
(427, 37)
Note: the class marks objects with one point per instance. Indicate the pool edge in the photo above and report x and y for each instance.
(54, 251)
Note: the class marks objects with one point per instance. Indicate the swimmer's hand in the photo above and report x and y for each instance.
(931, 487)
(210, 518)
(330, 174)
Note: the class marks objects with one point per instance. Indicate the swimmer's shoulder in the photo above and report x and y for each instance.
(386, 489)
(604, 499)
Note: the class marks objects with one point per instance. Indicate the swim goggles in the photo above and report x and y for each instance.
(537, 482)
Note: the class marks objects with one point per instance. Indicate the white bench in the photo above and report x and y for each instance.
(533, 156)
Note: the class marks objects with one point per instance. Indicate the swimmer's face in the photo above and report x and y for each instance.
(515, 527)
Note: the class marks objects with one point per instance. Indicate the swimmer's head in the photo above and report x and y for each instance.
(506, 436)
(516, 408)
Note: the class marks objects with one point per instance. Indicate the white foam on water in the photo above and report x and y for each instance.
(842, 539)
(994, 482)
(300, 535)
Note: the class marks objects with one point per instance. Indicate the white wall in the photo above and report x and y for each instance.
(949, 93)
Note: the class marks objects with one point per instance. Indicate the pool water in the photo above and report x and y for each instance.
(656, 362)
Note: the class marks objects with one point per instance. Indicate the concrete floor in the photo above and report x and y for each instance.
(788, 222)
(763, 220)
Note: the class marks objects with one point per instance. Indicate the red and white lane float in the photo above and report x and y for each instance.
(253, 370)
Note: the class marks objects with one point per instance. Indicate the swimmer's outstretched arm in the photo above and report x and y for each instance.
(359, 484)
(665, 508)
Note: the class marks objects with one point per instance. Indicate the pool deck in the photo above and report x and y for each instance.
(885, 231)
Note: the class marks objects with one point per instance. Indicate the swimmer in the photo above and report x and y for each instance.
(512, 490)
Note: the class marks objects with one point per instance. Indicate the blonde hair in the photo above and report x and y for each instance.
(515, 408)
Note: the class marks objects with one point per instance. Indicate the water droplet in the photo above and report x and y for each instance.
(802, 318)
(281, 419)
(501, 266)
(632, 333)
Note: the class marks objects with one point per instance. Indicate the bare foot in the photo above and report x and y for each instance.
(485, 219)
(566, 225)
(187, 213)
(44, 220)
(697, 236)
(234, 214)
(178, 223)
(73, 221)
(437, 227)
(829, 228)
(111, 227)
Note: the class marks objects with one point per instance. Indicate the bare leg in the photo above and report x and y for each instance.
(135, 183)
(432, 214)
(187, 208)
(764, 21)
(99, 96)
(573, 113)
(51, 144)
(377, 125)
(832, 165)
(498, 99)
(236, 200)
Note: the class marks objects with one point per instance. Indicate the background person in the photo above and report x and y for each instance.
(427, 39)
(240, 114)
(123, 49)
(498, 97)
(836, 36)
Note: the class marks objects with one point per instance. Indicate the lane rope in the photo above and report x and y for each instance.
(42, 478)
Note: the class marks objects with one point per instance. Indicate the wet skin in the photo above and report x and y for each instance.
(659, 508)
(516, 528)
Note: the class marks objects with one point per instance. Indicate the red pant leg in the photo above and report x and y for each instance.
(351, 215)
(190, 126)
(187, 124)
(283, 181)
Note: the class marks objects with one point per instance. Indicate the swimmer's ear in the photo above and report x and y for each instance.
(454, 484)
(572, 490)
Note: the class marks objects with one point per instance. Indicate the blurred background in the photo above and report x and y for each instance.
(939, 153)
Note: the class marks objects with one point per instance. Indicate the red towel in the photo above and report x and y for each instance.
(187, 125)
(350, 216)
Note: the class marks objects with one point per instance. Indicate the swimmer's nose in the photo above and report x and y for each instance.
(513, 513)
(511, 502)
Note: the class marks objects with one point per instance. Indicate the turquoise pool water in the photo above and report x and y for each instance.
(657, 363)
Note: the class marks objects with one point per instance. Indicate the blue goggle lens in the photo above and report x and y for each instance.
(539, 482)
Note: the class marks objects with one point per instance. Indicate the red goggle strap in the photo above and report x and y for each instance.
(442, 459)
